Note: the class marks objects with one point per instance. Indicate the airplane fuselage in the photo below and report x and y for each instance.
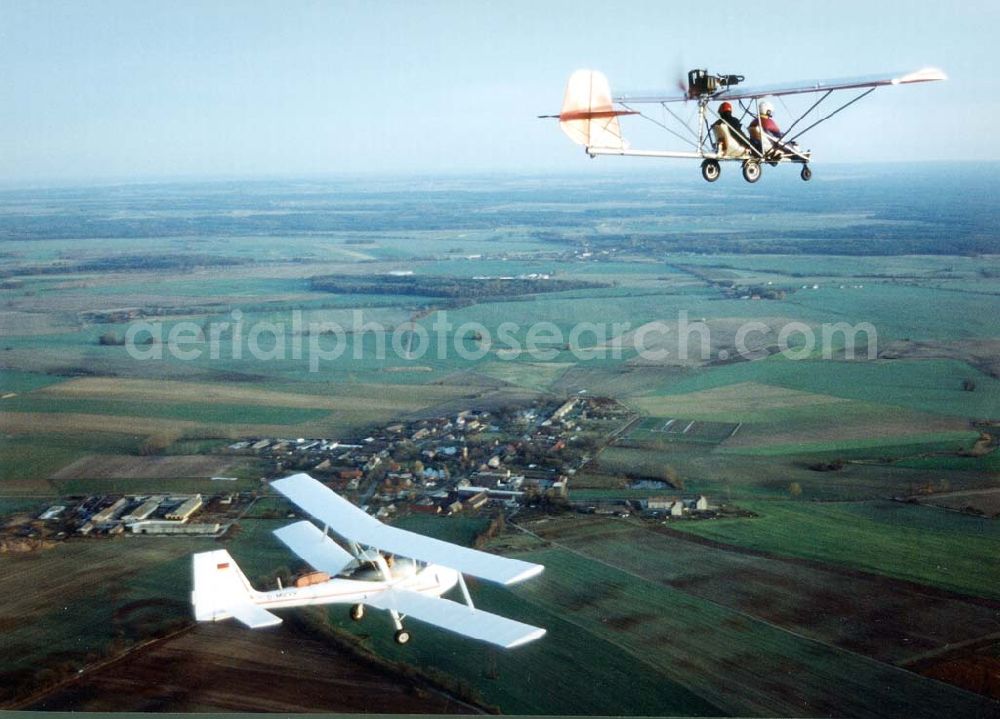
(432, 580)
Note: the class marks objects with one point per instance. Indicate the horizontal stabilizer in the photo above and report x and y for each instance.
(459, 618)
(253, 616)
(321, 552)
(355, 525)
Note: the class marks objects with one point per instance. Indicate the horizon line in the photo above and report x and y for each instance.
(646, 171)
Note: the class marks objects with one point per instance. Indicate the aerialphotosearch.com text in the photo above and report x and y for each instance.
(319, 342)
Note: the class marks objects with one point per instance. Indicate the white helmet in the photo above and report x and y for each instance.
(765, 108)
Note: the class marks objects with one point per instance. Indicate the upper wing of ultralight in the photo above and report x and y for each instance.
(639, 97)
(737, 92)
(316, 548)
(351, 523)
(456, 617)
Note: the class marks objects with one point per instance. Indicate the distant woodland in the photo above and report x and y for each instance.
(443, 286)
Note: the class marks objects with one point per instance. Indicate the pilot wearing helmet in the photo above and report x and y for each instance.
(765, 119)
(726, 116)
(729, 133)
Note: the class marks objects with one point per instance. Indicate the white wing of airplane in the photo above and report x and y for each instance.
(455, 617)
(927, 74)
(342, 517)
(316, 548)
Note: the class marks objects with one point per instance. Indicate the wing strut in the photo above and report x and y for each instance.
(659, 124)
(846, 105)
(802, 117)
(465, 591)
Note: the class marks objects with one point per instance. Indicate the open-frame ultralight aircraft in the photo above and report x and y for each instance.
(589, 116)
(383, 567)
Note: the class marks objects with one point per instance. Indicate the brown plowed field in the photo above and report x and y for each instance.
(225, 667)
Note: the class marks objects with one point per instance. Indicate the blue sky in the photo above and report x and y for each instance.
(146, 90)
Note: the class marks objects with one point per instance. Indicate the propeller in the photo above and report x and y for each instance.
(680, 74)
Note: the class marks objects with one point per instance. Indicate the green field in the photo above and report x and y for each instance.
(151, 485)
(988, 463)
(933, 386)
(729, 476)
(660, 432)
(26, 462)
(197, 412)
(14, 505)
(15, 381)
(920, 544)
(914, 444)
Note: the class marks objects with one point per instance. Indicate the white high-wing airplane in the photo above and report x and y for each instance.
(364, 575)
(589, 117)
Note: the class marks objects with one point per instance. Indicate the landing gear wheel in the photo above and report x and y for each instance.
(806, 173)
(751, 171)
(710, 170)
(402, 636)
(358, 612)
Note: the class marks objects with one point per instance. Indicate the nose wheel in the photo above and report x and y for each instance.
(358, 612)
(806, 173)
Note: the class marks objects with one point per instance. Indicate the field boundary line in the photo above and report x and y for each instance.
(948, 648)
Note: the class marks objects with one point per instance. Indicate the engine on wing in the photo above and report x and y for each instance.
(701, 83)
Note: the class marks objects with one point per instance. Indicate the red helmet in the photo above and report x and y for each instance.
(725, 107)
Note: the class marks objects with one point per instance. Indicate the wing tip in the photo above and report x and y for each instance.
(924, 74)
(532, 570)
(531, 636)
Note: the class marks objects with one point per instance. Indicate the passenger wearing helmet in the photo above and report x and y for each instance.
(766, 121)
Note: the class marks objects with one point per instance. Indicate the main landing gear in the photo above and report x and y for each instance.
(710, 170)
(751, 170)
(402, 635)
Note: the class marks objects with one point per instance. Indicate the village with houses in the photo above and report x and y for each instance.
(464, 462)
(504, 460)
